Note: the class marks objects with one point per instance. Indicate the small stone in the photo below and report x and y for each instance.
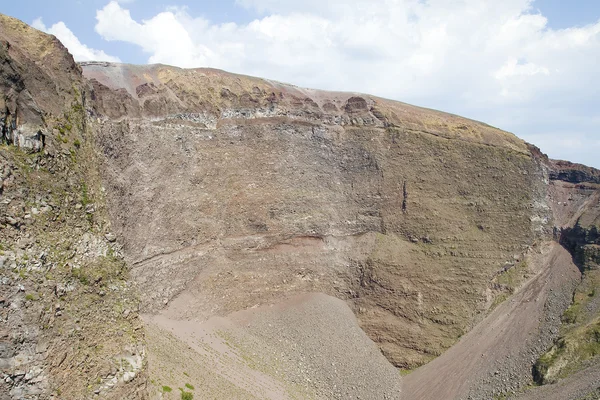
(34, 372)
(41, 348)
(110, 237)
(128, 376)
(78, 206)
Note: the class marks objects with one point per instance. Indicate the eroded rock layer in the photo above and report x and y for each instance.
(230, 191)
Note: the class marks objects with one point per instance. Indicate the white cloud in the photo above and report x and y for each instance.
(472, 50)
(514, 68)
(496, 61)
(79, 51)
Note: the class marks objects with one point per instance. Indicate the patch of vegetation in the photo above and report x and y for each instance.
(513, 277)
(77, 108)
(186, 395)
(580, 335)
(510, 280)
(85, 199)
(584, 294)
(573, 312)
(102, 270)
(501, 298)
(166, 389)
(73, 156)
(23, 274)
(594, 395)
(189, 386)
(569, 352)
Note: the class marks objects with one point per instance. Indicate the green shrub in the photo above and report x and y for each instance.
(166, 389)
(85, 198)
(191, 387)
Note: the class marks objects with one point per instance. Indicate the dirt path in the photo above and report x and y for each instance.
(496, 356)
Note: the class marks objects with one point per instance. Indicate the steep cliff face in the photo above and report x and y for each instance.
(230, 191)
(259, 226)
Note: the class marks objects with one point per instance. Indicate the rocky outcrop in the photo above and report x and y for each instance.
(39, 83)
(581, 233)
(583, 240)
(21, 120)
(573, 173)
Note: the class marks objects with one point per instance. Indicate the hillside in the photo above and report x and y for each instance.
(253, 239)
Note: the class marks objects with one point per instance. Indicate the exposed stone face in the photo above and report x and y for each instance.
(21, 121)
(583, 239)
(574, 173)
(39, 83)
(410, 212)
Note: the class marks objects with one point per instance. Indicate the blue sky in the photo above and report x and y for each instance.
(530, 67)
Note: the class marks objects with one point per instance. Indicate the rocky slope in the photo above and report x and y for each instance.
(69, 315)
(243, 208)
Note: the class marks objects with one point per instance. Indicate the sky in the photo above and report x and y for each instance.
(531, 67)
